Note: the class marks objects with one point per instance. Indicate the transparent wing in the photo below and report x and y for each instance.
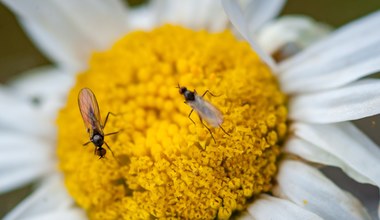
(89, 109)
(207, 111)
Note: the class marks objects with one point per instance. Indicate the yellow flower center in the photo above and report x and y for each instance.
(164, 165)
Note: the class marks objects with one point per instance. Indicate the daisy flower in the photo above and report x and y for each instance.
(282, 120)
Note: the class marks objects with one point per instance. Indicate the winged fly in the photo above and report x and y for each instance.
(89, 109)
(205, 110)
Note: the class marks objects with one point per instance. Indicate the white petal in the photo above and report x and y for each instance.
(69, 31)
(310, 189)
(211, 15)
(47, 85)
(42, 82)
(355, 31)
(177, 12)
(23, 159)
(267, 207)
(357, 100)
(17, 114)
(21, 175)
(30, 102)
(195, 14)
(297, 30)
(311, 152)
(336, 66)
(259, 12)
(70, 213)
(341, 145)
(236, 17)
(144, 17)
(22, 150)
(50, 196)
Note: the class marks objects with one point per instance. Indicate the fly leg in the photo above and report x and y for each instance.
(209, 130)
(190, 115)
(207, 91)
(110, 150)
(105, 121)
(224, 130)
(85, 144)
(112, 133)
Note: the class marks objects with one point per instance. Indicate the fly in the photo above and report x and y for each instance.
(206, 111)
(89, 109)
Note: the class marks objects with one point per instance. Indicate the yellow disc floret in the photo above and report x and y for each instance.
(164, 165)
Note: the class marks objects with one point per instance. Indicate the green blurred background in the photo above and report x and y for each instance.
(17, 54)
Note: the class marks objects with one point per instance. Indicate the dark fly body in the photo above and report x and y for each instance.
(205, 110)
(89, 109)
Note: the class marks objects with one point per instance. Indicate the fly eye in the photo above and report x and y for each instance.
(182, 90)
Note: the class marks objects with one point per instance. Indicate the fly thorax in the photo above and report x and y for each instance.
(189, 96)
(97, 139)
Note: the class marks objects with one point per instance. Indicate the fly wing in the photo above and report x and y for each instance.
(89, 109)
(207, 111)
